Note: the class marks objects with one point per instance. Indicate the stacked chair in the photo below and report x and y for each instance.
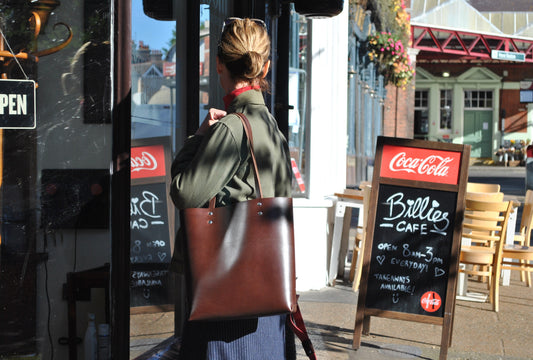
(485, 228)
(518, 256)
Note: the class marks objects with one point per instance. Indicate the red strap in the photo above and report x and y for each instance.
(296, 322)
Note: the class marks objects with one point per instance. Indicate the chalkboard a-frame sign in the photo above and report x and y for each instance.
(151, 226)
(413, 237)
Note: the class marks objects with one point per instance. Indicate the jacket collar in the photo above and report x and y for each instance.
(246, 98)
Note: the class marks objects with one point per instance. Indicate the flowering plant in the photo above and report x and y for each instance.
(388, 48)
(388, 51)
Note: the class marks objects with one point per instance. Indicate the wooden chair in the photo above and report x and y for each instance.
(484, 196)
(482, 187)
(347, 200)
(485, 225)
(526, 222)
(519, 255)
(359, 244)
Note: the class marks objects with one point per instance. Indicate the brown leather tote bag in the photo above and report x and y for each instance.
(241, 257)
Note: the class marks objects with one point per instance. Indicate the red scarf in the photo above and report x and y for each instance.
(232, 95)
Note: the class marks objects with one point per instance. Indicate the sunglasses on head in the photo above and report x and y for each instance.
(230, 20)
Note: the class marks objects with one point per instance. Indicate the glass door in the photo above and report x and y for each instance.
(174, 83)
(156, 133)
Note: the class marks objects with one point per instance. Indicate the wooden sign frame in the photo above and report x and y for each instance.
(162, 144)
(422, 167)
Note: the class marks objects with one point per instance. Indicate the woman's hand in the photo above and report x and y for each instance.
(211, 118)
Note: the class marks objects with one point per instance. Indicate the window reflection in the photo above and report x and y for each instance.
(54, 194)
(297, 98)
(204, 59)
(445, 109)
(154, 126)
(421, 129)
(153, 72)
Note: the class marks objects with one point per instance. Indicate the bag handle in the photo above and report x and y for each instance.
(296, 323)
(248, 132)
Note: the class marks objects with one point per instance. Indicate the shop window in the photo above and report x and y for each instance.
(421, 114)
(55, 177)
(298, 100)
(475, 99)
(445, 109)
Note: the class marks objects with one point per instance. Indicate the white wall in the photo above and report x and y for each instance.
(327, 137)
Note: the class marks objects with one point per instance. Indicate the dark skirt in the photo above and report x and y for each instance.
(264, 338)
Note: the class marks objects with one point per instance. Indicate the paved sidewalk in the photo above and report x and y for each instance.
(479, 333)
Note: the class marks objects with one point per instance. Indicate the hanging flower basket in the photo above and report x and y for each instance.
(387, 51)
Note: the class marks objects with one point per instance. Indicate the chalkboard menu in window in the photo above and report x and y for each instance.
(151, 226)
(413, 235)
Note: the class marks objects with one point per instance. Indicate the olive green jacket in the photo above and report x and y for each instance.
(219, 164)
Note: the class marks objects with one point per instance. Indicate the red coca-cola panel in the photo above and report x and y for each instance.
(400, 162)
(147, 161)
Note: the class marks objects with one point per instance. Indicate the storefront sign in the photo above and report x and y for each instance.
(169, 69)
(17, 104)
(420, 164)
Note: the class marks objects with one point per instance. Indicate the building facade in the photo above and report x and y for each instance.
(475, 88)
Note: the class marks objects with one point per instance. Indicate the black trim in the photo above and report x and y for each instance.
(193, 59)
(281, 95)
(120, 183)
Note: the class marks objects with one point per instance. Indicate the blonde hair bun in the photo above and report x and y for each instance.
(245, 48)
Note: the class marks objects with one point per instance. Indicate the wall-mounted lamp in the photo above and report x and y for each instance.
(445, 74)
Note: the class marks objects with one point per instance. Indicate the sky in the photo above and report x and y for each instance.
(155, 33)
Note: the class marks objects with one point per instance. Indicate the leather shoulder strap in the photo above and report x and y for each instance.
(248, 131)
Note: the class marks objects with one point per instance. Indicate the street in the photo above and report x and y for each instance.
(511, 179)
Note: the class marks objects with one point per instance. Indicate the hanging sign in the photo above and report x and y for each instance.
(17, 104)
(412, 243)
(508, 55)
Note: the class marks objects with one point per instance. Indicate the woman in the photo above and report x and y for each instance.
(216, 162)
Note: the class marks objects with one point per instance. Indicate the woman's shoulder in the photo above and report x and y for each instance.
(231, 119)
(229, 124)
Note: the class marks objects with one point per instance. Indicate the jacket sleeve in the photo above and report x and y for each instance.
(203, 167)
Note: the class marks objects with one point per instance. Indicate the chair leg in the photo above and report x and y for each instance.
(523, 273)
(495, 292)
(352, 265)
(356, 253)
(528, 276)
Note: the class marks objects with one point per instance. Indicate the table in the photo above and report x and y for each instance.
(339, 243)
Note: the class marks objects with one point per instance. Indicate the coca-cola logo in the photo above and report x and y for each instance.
(431, 301)
(433, 165)
(145, 161)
